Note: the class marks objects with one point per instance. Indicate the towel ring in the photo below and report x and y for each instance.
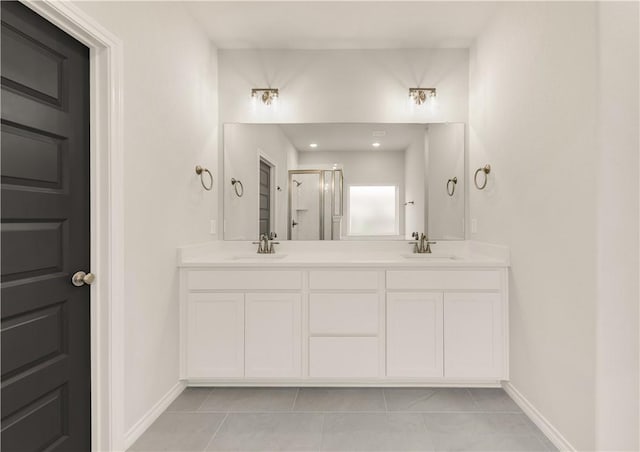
(199, 171)
(236, 183)
(486, 170)
(454, 182)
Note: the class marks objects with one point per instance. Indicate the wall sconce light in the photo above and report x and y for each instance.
(268, 95)
(420, 95)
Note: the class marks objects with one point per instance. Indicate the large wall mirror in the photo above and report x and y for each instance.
(344, 181)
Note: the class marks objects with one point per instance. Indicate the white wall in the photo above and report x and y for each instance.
(170, 125)
(553, 107)
(244, 144)
(617, 421)
(446, 161)
(362, 168)
(532, 116)
(343, 85)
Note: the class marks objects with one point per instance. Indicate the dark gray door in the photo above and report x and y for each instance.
(46, 388)
(265, 198)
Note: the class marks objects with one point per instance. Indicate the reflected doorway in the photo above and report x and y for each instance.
(265, 197)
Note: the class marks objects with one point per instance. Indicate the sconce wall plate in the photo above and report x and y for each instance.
(420, 95)
(268, 95)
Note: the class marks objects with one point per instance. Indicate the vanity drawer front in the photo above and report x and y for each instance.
(243, 280)
(343, 314)
(444, 279)
(343, 280)
(343, 357)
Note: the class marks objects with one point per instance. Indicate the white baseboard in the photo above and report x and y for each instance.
(537, 418)
(347, 383)
(150, 416)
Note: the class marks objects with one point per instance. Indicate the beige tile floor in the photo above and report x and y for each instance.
(364, 419)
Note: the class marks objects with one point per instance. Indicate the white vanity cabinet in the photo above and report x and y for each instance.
(415, 335)
(272, 335)
(473, 335)
(388, 325)
(462, 326)
(215, 335)
(239, 324)
(346, 338)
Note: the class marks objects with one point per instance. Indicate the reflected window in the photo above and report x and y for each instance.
(373, 210)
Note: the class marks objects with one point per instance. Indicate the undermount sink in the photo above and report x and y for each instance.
(430, 256)
(257, 257)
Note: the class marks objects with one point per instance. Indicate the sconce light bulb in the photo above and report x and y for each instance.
(421, 95)
(268, 95)
(375, 145)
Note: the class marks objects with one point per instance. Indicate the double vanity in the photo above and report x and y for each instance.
(344, 313)
(344, 299)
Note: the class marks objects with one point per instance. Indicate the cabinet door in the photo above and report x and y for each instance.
(473, 335)
(215, 335)
(414, 335)
(272, 335)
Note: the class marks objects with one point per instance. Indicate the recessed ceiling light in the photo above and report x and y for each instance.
(375, 145)
(313, 145)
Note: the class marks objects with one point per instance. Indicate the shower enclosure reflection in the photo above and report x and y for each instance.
(315, 204)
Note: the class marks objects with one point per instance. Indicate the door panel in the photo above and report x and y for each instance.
(473, 335)
(265, 198)
(272, 335)
(46, 398)
(414, 335)
(215, 336)
(31, 66)
(31, 159)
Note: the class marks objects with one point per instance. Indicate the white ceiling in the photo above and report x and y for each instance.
(341, 24)
(351, 137)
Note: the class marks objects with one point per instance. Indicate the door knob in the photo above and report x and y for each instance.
(294, 223)
(81, 278)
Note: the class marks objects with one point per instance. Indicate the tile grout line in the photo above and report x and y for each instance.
(215, 433)
(293, 406)
(426, 427)
(204, 399)
(384, 397)
(473, 399)
(352, 412)
(324, 417)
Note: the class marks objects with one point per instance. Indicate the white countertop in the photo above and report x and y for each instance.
(456, 254)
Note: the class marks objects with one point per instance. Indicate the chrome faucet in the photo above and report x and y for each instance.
(422, 244)
(425, 244)
(265, 243)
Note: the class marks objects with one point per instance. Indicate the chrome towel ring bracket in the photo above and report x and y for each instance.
(199, 171)
(237, 187)
(486, 170)
(452, 183)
